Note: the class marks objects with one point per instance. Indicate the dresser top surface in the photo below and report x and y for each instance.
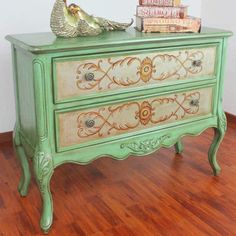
(48, 42)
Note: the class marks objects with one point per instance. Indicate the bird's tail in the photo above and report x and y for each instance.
(112, 25)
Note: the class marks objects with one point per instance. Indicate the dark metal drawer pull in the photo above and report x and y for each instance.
(194, 103)
(197, 63)
(89, 76)
(89, 123)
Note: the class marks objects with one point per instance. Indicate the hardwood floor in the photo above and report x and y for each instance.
(162, 194)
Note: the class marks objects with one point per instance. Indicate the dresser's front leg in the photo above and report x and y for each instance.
(26, 175)
(219, 134)
(179, 147)
(43, 168)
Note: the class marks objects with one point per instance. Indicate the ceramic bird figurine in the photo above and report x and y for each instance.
(71, 21)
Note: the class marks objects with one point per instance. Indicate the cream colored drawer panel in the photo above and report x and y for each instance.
(82, 77)
(81, 126)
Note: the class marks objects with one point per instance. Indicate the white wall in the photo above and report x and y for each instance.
(33, 16)
(220, 15)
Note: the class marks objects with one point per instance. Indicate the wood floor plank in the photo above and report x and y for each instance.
(161, 194)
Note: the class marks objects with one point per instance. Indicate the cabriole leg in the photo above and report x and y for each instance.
(26, 175)
(218, 137)
(43, 168)
(179, 147)
(212, 156)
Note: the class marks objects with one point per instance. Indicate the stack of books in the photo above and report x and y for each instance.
(165, 16)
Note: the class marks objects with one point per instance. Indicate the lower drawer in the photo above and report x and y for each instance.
(97, 123)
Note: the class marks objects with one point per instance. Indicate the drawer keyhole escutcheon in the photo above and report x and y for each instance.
(89, 76)
(197, 63)
(89, 123)
(194, 103)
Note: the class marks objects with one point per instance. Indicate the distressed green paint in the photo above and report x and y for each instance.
(35, 86)
(26, 175)
(47, 42)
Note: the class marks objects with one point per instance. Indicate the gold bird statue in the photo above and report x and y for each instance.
(71, 21)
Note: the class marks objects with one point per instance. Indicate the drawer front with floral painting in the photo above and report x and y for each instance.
(80, 126)
(76, 77)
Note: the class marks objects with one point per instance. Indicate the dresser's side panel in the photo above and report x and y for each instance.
(222, 122)
(25, 100)
(222, 69)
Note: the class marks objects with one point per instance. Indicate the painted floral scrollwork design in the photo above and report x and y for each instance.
(111, 72)
(131, 115)
(146, 69)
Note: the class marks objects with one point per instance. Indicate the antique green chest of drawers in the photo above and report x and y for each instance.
(118, 94)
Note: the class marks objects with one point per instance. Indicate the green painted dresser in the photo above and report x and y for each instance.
(118, 94)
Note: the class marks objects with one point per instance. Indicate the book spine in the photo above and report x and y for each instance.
(162, 12)
(164, 3)
(169, 25)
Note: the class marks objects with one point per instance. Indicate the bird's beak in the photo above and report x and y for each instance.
(77, 9)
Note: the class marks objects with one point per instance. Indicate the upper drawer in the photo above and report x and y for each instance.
(76, 77)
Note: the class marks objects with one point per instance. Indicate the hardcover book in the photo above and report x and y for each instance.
(162, 12)
(163, 25)
(163, 3)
